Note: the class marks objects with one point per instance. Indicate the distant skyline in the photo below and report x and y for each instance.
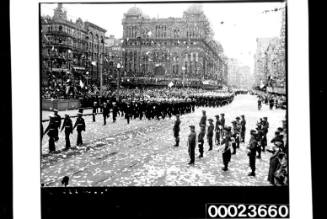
(236, 25)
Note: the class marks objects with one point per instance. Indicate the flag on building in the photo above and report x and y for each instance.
(81, 84)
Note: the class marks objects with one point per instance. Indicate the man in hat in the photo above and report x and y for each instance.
(238, 129)
(271, 103)
(222, 120)
(211, 127)
(176, 130)
(94, 110)
(233, 137)
(243, 128)
(52, 132)
(80, 124)
(265, 128)
(201, 140)
(226, 142)
(222, 124)
(274, 162)
(68, 125)
(128, 112)
(217, 130)
(105, 112)
(191, 144)
(277, 136)
(252, 152)
(114, 111)
(203, 120)
(57, 120)
(259, 137)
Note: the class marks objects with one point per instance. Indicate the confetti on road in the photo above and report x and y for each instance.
(142, 153)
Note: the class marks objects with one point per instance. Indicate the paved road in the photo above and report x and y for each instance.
(142, 153)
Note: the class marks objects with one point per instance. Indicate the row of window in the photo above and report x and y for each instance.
(154, 43)
(78, 34)
(66, 29)
(162, 32)
(188, 57)
(175, 68)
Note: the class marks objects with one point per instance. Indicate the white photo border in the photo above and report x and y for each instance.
(25, 66)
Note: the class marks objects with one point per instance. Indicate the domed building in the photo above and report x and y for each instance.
(174, 48)
(134, 12)
(195, 9)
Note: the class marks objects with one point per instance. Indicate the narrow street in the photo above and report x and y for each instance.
(142, 153)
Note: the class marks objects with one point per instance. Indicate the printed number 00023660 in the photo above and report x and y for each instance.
(247, 211)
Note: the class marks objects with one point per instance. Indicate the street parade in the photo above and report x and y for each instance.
(224, 139)
(160, 101)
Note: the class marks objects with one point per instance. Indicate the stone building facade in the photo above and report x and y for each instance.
(71, 46)
(173, 48)
(239, 76)
(261, 60)
(270, 61)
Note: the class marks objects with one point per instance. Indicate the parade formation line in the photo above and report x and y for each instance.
(142, 153)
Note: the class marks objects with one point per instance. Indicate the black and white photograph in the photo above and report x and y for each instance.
(160, 109)
(163, 94)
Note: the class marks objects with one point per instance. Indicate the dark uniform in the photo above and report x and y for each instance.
(80, 124)
(52, 132)
(238, 129)
(57, 120)
(233, 137)
(211, 127)
(252, 152)
(260, 140)
(222, 120)
(191, 145)
(222, 124)
(265, 128)
(271, 103)
(277, 137)
(114, 111)
(274, 165)
(217, 130)
(226, 142)
(243, 128)
(203, 121)
(94, 110)
(105, 113)
(68, 125)
(201, 140)
(128, 112)
(176, 130)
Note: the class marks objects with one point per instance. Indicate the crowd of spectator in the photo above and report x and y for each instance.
(61, 85)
